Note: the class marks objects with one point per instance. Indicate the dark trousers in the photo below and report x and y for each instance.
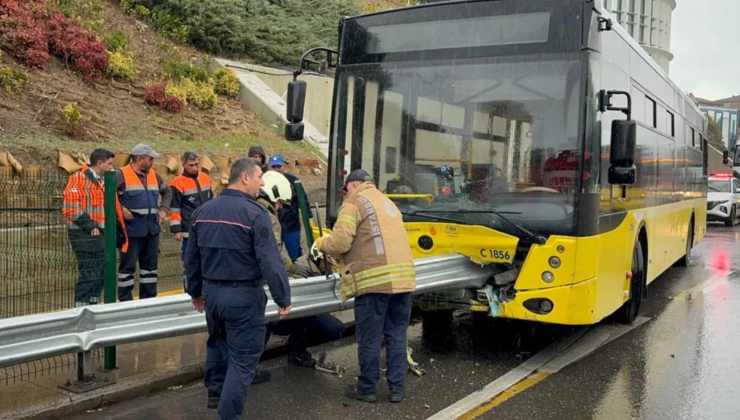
(146, 251)
(90, 253)
(292, 242)
(236, 330)
(376, 316)
(184, 251)
(305, 332)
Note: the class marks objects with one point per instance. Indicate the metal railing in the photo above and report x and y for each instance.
(87, 328)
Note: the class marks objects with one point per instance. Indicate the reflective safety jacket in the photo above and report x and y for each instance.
(188, 193)
(84, 204)
(142, 200)
(370, 239)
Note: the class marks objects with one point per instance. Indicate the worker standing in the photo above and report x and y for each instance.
(276, 193)
(290, 216)
(190, 190)
(84, 212)
(232, 252)
(377, 269)
(258, 153)
(140, 189)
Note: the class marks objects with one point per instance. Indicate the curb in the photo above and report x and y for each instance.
(129, 388)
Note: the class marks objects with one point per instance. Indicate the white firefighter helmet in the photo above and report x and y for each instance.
(277, 187)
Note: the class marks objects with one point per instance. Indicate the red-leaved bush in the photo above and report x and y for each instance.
(23, 32)
(68, 39)
(28, 32)
(154, 93)
(173, 104)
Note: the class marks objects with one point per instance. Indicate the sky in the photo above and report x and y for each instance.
(705, 36)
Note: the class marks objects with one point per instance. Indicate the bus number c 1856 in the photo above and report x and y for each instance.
(496, 254)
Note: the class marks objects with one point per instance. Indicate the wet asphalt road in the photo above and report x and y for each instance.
(682, 364)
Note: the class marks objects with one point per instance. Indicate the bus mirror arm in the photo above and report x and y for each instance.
(297, 91)
(622, 168)
(725, 157)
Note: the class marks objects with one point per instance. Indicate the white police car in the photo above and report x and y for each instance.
(723, 198)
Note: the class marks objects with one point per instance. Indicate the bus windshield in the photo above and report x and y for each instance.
(471, 140)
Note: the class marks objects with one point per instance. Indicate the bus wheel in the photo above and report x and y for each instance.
(436, 323)
(686, 259)
(628, 312)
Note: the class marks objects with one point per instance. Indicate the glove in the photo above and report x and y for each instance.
(315, 252)
(302, 270)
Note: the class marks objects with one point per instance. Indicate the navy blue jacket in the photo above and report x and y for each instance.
(231, 238)
(290, 216)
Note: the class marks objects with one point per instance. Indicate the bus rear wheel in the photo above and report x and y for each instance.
(686, 259)
(628, 312)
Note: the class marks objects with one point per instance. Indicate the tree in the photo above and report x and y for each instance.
(714, 134)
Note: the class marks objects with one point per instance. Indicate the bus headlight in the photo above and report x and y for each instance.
(554, 262)
(548, 277)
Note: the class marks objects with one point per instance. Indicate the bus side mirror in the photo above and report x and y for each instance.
(725, 157)
(622, 152)
(294, 110)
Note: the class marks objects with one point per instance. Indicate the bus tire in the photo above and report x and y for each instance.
(629, 310)
(436, 323)
(686, 259)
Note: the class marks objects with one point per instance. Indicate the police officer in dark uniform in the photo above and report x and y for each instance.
(231, 254)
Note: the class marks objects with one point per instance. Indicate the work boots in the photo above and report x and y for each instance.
(302, 358)
(261, 376)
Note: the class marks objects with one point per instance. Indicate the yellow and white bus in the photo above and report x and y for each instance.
(534, 136)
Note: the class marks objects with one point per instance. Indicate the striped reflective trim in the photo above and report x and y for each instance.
(76, 214)
(147, 272)
(144, 211)
(347, 219)
(129, 283)
(194, 191)
(348, 287)
(135, 188)
(174, 210)
(72, 205)
(175, 223)
(371, 272)
(147, 280)
(125, 275)
(185, 235)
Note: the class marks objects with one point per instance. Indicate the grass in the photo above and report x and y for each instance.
(230, 145)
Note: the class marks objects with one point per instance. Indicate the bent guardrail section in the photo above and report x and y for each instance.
(34, 337)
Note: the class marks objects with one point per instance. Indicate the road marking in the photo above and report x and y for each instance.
(508, 380)
(543, 364)
(521, 386)
(591, 341)
(714, 281)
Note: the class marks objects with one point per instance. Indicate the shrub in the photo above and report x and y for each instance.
(202, 96)
(141, 11)
(70, 41)
(116, 41)
(23, 32)
(72, 115)
(154, 94)
(13, 80)
(226, 82)
(121, 66)
(172, 27)
(178, 91)
(173, 104)
(177, 70)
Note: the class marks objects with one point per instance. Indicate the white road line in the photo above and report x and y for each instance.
(506, 381)
(711, 283)
(550, 360)
(591, 341)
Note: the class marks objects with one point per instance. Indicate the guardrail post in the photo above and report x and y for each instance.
(86, 380)
(111, 272)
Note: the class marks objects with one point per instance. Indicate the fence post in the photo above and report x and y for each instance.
(111, 272)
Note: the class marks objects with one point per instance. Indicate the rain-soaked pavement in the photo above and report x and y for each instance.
(681, 364)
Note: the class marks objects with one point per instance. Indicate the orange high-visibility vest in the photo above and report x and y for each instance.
(83, 195)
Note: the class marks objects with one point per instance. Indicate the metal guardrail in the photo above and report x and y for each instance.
(83, 329)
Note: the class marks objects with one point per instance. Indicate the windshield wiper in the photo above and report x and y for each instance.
(538, 239)
(429, 216)
(715, 189)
